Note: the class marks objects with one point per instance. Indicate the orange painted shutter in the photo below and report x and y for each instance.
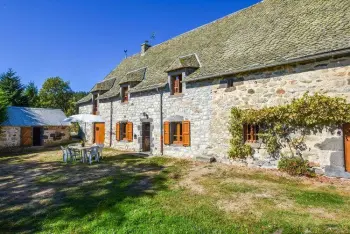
(117, 131)
(129, 133)
(166, 133)
(26, 136)
(186, 133)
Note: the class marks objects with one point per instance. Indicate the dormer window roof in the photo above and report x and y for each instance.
(134, 76)
(103, 85)
(188, 61)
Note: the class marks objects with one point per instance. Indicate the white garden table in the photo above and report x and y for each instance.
(82, 150)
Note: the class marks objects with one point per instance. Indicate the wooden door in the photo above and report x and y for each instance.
(146, 137)
(99, 133)
(346, 133)
(26, 136)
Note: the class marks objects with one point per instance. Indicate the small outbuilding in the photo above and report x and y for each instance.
(27, 127)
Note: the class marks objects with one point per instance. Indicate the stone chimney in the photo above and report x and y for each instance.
(144, 47)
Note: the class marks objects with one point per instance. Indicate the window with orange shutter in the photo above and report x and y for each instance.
(124, 131)
(125, 94)
(176, 85)
(177, 133)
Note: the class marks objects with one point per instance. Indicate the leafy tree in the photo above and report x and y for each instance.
(79, 95)
(73, 101)
(31, 92)
(13, 90)
(56, 93)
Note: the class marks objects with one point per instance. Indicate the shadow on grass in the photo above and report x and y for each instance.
(46, 196)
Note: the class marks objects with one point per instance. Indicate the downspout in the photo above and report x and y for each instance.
(110, 124)
(161, 120)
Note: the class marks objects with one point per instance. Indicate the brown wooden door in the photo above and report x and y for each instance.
(26, 136)
(99, 133)
(146, 137)
(346, 134)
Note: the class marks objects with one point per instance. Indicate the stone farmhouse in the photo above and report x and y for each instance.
(175, 98)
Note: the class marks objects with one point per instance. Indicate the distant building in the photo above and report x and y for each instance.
(27, 127)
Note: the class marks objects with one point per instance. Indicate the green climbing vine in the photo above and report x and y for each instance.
(286, 126)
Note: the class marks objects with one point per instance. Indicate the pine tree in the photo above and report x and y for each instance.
(3, 106)
(31, 92)
(13, 90)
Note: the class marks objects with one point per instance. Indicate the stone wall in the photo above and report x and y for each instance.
(10, 137)
(207, 104)
(141, 107)
(86, 129)
(279, 86)
(193, 105)
(55, 135)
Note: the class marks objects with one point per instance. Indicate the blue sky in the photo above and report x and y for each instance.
(83, 40)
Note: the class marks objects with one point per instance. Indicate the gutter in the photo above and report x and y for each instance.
(294, 60)
(110, 125)
(148, 88)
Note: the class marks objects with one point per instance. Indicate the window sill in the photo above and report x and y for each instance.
(254, 145)
(177, 95)
(124, 141)
(230, 89)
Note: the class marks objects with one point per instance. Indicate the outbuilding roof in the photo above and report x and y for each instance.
(266, 34)
(26, 117)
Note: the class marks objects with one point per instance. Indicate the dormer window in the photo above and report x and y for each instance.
(125, 94)
(94, 105)
(229, 83)
(176, 85)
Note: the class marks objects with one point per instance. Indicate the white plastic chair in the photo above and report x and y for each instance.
(93, 153)
(66, 154)
(100, 148)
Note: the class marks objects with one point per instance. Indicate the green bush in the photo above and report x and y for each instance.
(296, 166)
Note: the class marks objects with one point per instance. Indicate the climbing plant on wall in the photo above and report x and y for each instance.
(286, 126)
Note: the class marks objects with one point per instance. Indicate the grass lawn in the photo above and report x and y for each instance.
(126, 193)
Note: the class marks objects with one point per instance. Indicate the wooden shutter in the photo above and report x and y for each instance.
(245, 132)
(117, 131)
(166, 133)
(26, 136)
(129, 133)
(186, 133)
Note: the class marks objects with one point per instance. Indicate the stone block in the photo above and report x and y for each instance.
(251, 91)
(337, 159)
(230, 89)
(332, 144)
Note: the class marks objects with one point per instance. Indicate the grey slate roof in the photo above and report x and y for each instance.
(85, 99)
(25, 116)
(265, 34)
